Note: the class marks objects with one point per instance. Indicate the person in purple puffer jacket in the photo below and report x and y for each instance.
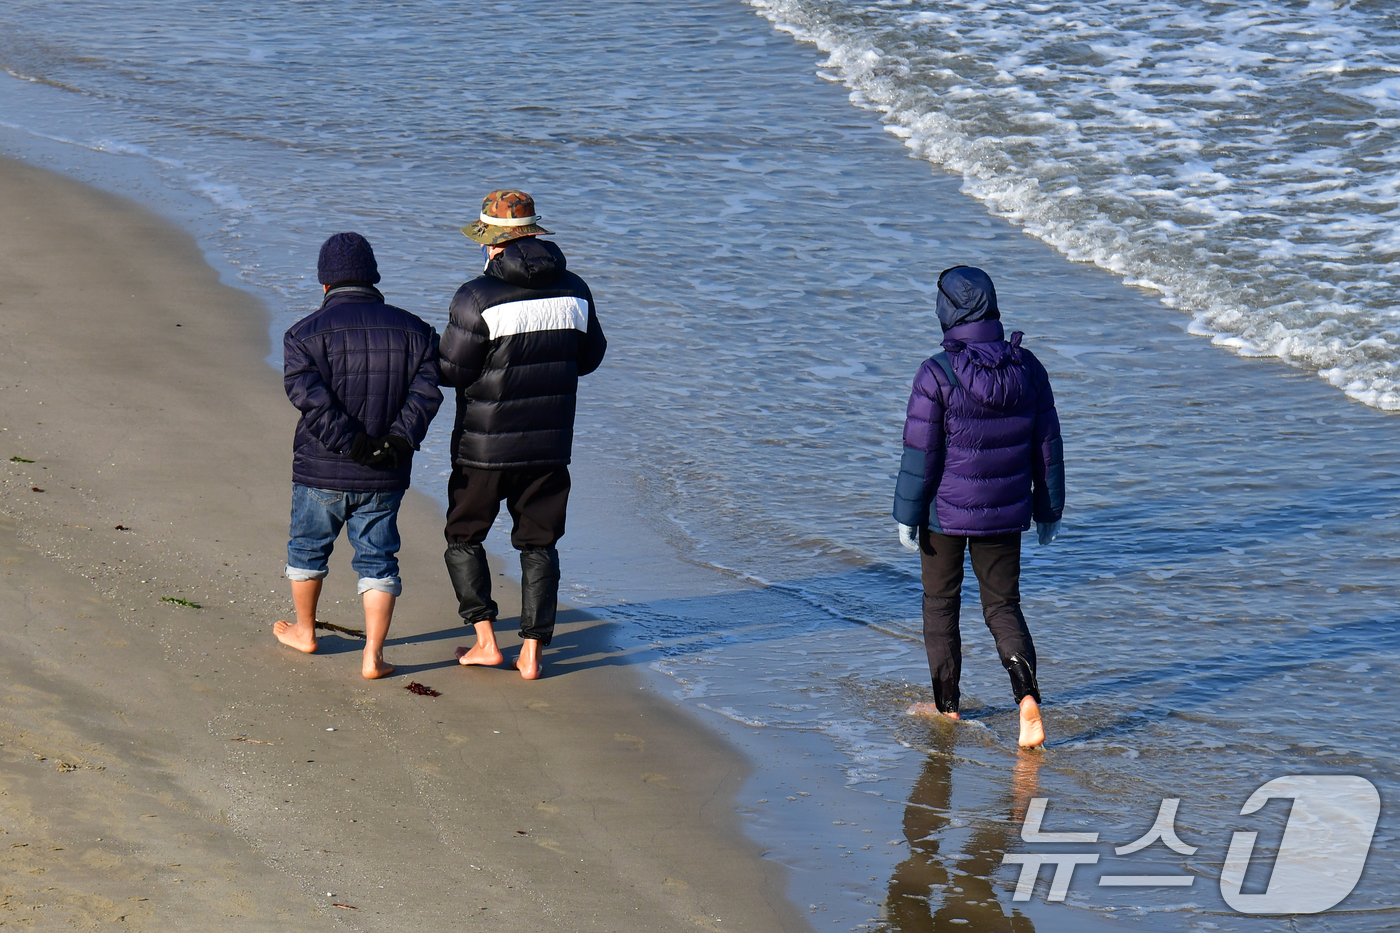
(982, 460)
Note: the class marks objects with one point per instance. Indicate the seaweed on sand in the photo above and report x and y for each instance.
(331, 626)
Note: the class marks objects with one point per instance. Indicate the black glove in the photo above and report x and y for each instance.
(399, 448)
(369, 451)
(381, 453)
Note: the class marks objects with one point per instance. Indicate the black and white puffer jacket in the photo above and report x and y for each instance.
(517, 339)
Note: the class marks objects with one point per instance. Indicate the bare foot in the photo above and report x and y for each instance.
(488, 655)
(928, 709)
(485, 652)
(529, 661)
(295, 635)
(1032, 729)
(375, 667)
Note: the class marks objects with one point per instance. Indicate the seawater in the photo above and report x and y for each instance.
(1238, 158)
(1221, 609)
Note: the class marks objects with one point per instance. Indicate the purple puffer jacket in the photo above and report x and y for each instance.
(983, 457)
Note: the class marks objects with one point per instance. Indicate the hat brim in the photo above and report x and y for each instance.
(492, 235)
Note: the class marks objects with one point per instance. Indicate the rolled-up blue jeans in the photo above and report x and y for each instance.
(373, 520)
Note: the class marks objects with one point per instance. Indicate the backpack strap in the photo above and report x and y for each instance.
(946, 365)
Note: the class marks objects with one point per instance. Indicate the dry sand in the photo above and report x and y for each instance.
(171, 768)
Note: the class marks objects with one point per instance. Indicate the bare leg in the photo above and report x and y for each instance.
(485, 651)
(1032, 729)
(379, 612)
(301, 635)
(928, 709)
(529, 661)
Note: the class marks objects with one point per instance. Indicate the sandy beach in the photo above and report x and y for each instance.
(166, 766)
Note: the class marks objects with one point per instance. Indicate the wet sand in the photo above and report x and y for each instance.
(162, 765)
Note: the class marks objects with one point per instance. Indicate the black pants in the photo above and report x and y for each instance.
(996, 561)
(537, 500)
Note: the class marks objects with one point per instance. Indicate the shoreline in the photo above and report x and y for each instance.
(1180, 449)
(140, 390)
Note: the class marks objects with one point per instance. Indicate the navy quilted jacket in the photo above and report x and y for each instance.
(358, 364)
(982, 456)
(518, 338)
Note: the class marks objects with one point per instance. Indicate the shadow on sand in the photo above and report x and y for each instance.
(883, 599)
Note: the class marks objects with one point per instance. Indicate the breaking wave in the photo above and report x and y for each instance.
(1240, 160)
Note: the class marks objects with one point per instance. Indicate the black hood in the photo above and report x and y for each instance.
(529, 263)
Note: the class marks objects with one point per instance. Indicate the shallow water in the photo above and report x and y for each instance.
(1219, 612)
(1240, 158)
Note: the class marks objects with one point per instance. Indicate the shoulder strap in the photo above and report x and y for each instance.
(946, 365)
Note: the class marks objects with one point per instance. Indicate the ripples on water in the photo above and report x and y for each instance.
(1240, 157)
(1221, 608)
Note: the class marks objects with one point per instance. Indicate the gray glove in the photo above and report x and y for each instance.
(909, 537)
(1047, 532)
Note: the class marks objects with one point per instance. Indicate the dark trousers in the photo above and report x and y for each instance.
(996, 560)
(537, 499)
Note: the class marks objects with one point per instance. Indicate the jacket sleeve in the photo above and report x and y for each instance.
(925, 446)
(465, 343)
(308, 391)
(592, 345)
(1048, 454)
(423, 396)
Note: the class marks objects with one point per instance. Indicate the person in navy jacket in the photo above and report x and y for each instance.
(364, 376)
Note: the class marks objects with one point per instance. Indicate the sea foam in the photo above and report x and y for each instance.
(1240, 162)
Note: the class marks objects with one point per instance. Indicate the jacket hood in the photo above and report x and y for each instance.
(988, 366)
(529, 262)
(966, 294)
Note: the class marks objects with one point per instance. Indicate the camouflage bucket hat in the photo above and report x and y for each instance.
(505, 215)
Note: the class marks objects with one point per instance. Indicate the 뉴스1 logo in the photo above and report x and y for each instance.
(1320, 859)
(1324, 845)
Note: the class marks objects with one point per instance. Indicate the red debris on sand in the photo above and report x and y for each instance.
(36, 489)
(121, 528)
(341, 906)
(422, 691)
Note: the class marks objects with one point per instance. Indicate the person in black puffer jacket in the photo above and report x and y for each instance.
(364, 376)
(518, 337)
